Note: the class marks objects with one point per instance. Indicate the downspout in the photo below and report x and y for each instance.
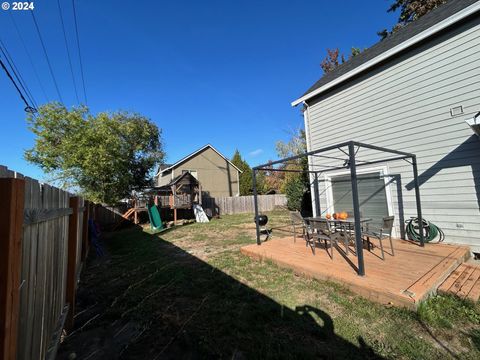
(311, 176)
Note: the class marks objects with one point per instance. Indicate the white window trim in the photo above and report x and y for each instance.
(383, 170)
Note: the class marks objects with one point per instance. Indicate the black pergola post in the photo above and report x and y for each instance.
(418, 201)
(316, 195)
(255, 204)
(356, 209)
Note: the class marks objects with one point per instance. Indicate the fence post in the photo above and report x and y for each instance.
(85, 243)
(72, 260)
(12, 193)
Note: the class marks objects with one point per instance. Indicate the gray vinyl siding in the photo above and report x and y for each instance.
(405, 104)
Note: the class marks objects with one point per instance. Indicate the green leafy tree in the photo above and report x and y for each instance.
(274, 181)
(410, 10)
(295, 190)
(103, 156)
(295, 184)
(262, 186)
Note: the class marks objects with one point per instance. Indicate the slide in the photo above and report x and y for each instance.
(200, 215)
(154, 216)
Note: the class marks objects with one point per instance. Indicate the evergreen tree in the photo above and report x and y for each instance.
(246, 175)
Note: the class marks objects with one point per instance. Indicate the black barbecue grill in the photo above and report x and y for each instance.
(262, 222)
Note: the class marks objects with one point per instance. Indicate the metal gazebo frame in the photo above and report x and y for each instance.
(351, 162)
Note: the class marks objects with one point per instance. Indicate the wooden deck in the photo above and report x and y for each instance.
(401, 280)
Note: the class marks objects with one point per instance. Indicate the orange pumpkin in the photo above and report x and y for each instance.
(344, 215)
(328, 216)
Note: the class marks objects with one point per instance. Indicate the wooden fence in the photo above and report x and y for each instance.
(108, 216)
(243, 204)
(43, 244)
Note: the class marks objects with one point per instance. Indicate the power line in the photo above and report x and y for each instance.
(28, 108)
(17, 73)
(28, 55)
(46, 56)
(68, 51)
(79, 52)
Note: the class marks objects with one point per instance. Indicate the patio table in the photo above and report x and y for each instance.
(349, 221)
(342, 226)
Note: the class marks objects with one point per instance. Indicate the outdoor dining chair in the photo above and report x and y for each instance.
(298, 222)
(324, 231)
(384, 232)
(307, 233)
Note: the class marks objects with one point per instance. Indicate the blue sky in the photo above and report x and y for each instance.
(221, 72)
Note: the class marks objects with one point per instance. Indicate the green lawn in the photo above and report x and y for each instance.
(189, 293)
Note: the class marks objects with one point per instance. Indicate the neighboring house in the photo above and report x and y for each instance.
(217, 175)
(412, 92)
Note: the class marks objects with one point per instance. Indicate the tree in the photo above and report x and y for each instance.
(261, 181)
(334, 59)
(410, 10)
(295, 190)
(246, 175)
(274, 180)
(103, 156)
(295, 184)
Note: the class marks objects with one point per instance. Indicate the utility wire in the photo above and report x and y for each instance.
(79, 52)
(46, 57)
(28, 108)
(68, 51)
(28, 55)
(17, 74)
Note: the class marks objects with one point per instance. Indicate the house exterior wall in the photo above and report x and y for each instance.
(164, 178)
(216, 175)
(405, 104)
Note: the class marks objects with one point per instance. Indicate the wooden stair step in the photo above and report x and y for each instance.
(438, 273)
(128, 213)
(474, 293)
(469, 283)
(464, 282)
(446, 285)
(457, 285)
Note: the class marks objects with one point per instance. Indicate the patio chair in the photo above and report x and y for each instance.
(384, 232)
(298, 222)
(324, 231)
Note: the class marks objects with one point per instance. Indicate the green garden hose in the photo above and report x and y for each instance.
(430, 230)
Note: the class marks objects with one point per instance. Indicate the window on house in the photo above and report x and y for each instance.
(193, 172)
(372, 196)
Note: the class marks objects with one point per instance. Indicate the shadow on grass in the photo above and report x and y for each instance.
(149, 299)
